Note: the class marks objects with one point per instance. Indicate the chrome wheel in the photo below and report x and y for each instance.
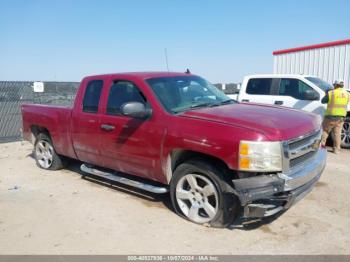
(345, 134)
(44, 153)
(197, 198)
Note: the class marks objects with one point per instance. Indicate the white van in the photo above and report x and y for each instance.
(297, 91)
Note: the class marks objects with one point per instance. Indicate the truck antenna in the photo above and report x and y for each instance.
(166, 59)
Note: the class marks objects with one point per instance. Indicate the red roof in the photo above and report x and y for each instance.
(309, 47)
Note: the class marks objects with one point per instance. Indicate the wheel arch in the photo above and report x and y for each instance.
(179, 156)
(36, 130)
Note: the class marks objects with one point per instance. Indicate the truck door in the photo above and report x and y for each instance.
(129, 145)
(258, 90)
(295, 93)
(85, 122)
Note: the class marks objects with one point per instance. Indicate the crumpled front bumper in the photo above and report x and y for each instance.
(266, 195)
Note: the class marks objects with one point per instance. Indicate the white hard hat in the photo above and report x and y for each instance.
(338, 82)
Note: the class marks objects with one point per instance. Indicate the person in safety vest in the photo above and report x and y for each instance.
(337, 100)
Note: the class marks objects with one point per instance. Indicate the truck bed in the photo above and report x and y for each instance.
(55, 119)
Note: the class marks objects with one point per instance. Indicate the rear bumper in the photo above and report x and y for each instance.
(266, 195)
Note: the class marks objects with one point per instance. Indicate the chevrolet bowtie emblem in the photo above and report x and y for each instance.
(316, 144)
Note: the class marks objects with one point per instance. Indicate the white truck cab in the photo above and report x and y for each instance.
(297, 91)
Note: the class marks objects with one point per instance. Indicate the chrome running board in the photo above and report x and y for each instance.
(123, 180)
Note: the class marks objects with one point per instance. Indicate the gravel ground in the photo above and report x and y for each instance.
(58, 212)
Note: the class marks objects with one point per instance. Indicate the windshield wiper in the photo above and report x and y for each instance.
(228, 101)
(225, 102)
(206, 104)
(202, 105)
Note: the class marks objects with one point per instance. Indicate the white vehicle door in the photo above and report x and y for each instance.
(295, 93)
(258, 90)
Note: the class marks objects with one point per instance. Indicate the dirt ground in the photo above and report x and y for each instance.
(46, 212)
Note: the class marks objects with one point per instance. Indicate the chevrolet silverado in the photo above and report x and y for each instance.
(175, 132)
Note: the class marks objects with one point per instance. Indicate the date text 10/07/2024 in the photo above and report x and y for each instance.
(173, 258)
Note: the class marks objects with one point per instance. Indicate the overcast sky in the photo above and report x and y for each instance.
(219, 40)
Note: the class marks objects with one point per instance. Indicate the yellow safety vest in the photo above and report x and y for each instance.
(338, 100)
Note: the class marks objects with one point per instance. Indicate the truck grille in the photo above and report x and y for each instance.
(301, 159)
(299, 150)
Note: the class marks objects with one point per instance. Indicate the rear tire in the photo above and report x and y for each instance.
(45, 154)
(200, 194)
(345, 133)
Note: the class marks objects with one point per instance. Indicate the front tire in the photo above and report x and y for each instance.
(200, 194)
(45, 154)
(345, 133)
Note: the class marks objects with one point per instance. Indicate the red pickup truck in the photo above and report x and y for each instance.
(177, 133)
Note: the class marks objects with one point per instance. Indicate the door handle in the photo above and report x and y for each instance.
(107, 127)
(278, 102)
(245, 100)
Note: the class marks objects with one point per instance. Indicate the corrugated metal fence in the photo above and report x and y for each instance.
(13, 94)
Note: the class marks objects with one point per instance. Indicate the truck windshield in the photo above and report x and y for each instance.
(320, 83)
(182, 93)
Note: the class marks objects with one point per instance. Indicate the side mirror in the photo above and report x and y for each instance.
(135, 110)
(311, 95)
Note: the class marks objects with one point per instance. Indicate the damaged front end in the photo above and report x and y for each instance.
(268, 194)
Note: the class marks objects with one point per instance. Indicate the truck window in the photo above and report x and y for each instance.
(294, 88)
(259, 86)
(122, 92)
(92, 96)
(182, 93)
(320, 83)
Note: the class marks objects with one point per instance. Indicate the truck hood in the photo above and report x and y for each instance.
(274, 122)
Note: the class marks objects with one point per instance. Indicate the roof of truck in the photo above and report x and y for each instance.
(279, 75)
(143, 75)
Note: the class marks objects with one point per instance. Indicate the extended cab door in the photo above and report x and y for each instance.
(129, 145)
(257, 90)
(295, 93)
(86, 122)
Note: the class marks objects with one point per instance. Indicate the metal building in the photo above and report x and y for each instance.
(329, 61)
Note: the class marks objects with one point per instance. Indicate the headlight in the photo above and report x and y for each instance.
(260, 156)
